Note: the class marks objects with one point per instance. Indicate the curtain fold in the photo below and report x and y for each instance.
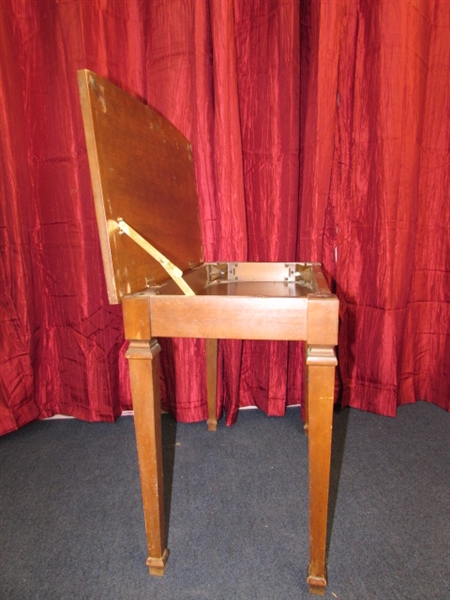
(320, 132)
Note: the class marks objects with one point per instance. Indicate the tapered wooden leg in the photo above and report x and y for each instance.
(143, 357)
(211, 374)
(321, 362)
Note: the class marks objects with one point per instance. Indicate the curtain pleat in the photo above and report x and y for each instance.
(320, 132)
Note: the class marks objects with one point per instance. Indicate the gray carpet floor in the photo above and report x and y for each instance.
(71, 524)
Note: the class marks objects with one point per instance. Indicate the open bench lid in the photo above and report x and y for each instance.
(142, 171)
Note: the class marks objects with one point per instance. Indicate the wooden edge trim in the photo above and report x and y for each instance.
(97, 189)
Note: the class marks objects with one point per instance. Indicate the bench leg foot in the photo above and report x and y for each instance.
(212, 424)
(157, 566)
(316, 585)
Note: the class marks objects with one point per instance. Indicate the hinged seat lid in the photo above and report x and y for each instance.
(142, 171)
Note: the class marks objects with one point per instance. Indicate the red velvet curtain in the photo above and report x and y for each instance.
(383, 131)
(320, 132)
